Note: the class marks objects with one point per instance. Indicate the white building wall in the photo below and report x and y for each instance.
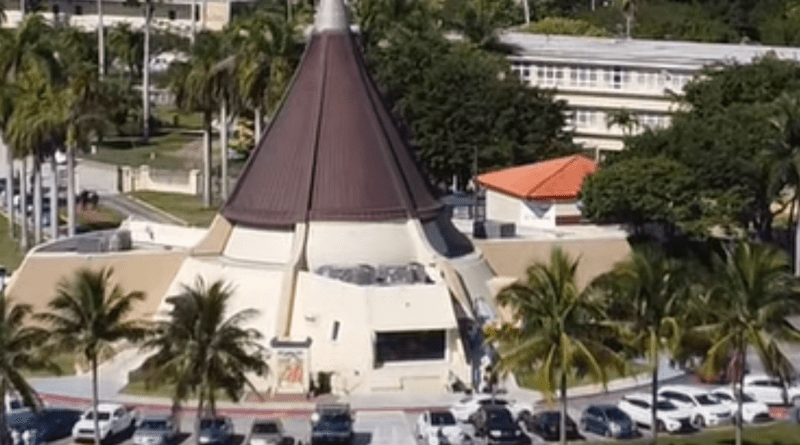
(501, 207)
(352, 243)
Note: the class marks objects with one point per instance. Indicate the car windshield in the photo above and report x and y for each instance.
(212, 423)
(500, 418)
(747, 398)
(442, 419)
(664, 405)
(614, 413)
(104, 415)
(706, 399)
(333, 422)
(265, 428)
(153, 425)
(723, 397)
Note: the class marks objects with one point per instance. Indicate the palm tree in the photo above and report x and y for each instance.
(20, 349)
(126, 47)
(199, 351)
(197, 86)
(647, 290)
(558, 330)
(89, 315)
(752, 294)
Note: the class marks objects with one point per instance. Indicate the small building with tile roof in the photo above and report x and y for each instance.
(540, 195)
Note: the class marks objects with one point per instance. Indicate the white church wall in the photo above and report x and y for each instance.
(266, 246)
(350, 243)
(342, 319)
(501, 207)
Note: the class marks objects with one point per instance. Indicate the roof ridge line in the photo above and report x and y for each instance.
(569, 160)
(317, 129)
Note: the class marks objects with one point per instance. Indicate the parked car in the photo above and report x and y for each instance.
(466, 407)
(113, 419)
(706, 409)
(332, 424)
(439, 427)
(669, 417)
(608, 421)
(497, 425)
(155, 430)
(48, 424)
(752, 410)
(216, 430)
(547, 425)
(268, 432)
(769, 390)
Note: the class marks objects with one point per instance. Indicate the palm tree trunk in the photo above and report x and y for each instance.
(223, 150)
(37, 200)
(199, 416)
(654, 393)
(9, 189)
(53, 198)
(257, 127)
(194, 22)
(207, 159)
(562, 427)
(796, 205)
(3, 432)
(70, 190)
(101, 44)
(203, 15)
(527, 11)
(23, 204)
(148, 14)
(740, 393)
(95, 399)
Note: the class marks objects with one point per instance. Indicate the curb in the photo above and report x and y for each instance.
(155, 209)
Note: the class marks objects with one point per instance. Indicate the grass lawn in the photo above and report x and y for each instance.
(64, 361)
(161, 151)
(775, 433)
(188, 208)
(528, 380)
(98, 218)
(169, 116)
(10, 254)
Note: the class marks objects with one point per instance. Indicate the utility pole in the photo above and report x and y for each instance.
(148, 15)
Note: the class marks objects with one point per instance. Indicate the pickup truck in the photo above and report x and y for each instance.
(332, 424)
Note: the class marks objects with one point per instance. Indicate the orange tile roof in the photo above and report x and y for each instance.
(554, 180)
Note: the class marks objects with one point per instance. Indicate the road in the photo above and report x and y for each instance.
(129, 207)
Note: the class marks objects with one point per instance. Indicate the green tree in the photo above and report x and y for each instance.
(647, 291)
(640, 190)
(566, 26)
(558, 329)
(751, 295)
(200, 351)
(20, 350)
(89, 315)
(198, 86)
(127, 48)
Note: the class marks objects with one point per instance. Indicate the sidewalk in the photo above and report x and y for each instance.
(75, 391)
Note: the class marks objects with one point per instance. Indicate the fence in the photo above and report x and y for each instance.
(167, 181)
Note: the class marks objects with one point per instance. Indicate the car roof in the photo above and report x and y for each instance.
(640, 396)
(107, 407)
(157, 417)
(686, 389)
(603, 406)
(750, 377)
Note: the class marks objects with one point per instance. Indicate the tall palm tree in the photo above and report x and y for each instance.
(20, 350)
(752, 294)
(647, 290)
(200, 351)
(126, 47)
(558, 330)
(89, 315)
(197, 86)
(148, 17)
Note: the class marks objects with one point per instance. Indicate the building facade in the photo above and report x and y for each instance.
(600, 76)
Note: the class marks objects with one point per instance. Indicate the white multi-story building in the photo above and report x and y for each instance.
(598, 76)
(174, 15)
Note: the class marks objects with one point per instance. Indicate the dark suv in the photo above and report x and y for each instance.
(496, 424)
(332, 424)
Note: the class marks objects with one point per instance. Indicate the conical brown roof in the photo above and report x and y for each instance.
(332, 153)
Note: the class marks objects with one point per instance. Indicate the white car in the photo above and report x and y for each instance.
(466, 407)
(706, 409)
(439, 427)
(670, 417)
(752, 411)
(113, 419)
(767, 389)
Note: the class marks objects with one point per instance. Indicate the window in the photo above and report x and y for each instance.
(335, 330)
(78, 10)
(411, 345)
(617, 78)
(196, 13)
(171, 14)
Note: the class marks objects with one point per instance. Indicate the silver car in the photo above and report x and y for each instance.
(268, 432)
(155, 430)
